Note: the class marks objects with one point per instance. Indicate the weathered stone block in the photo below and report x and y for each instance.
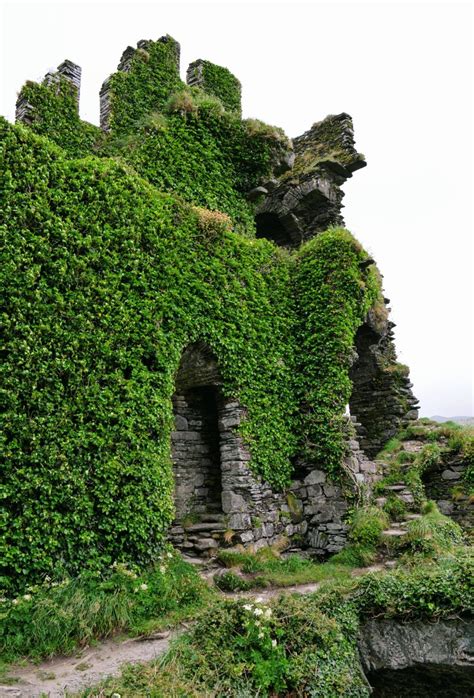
(233, 502)
(315, 477)
(450, 475)
(314, 491)
(238, 522)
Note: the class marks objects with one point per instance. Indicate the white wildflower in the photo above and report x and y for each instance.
(268, 613)
(258, 612)
(248, 606)
(274, 643)
(27, 597)
(15, 602)
(162, 569)
(2, 599)
(257, 623)
(143, 587)
(115, 695)
(170, 555)
(260, 635)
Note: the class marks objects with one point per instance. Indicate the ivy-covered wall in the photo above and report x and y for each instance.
(119, 252)
(52, 111)
(106, 282)
(217, 81)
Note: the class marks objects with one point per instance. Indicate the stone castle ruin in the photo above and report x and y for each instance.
(219, 497)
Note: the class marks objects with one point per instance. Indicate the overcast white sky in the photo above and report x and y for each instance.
(403, 70)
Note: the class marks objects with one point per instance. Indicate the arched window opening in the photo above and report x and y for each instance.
(269, 226)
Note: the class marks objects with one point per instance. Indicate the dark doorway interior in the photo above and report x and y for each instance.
(196, 451)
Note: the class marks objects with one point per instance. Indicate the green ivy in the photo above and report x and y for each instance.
(332, 295)
(106, 281)
(152, 76)
(55, 115)
(110, 268)
(220, 82)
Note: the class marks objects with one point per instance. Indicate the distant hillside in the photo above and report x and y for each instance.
(458, 420)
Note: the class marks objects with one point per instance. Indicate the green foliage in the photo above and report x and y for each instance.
(367, 525)
(440, 590)
(332, 295)
(395, 508)
(433, 533)
(59, 617)
(230, 581)
(107, 281)
(299, 644)
(428, 457)
(467, 451)
(249, 648)
(354, 555)
(267, 568)
(201, 153)
(55, 114)
(221, 83)
(182, 139)
(145, 87)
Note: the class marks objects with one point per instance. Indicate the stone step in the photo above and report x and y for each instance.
(208, 517)
(396, 488)
(394, 532)
(204, 527)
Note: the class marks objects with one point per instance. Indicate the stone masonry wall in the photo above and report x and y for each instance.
(382, 398)
(310, 514)
(443, 484)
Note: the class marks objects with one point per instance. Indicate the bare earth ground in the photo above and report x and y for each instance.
(61, 676)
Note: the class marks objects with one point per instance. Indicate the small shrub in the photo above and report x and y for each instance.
(433, 533)
(354, 555)
(405, 457)
(429, 456)
(230, 581)
(213, 223)
(367, 526)
(395, 508)
(182, 102)
(440, 590)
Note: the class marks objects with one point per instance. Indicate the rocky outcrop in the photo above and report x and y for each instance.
(390, 644)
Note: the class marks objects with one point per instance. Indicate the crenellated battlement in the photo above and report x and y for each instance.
(66, 71)
(211, 78)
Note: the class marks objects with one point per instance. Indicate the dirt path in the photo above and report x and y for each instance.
(60, 676)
